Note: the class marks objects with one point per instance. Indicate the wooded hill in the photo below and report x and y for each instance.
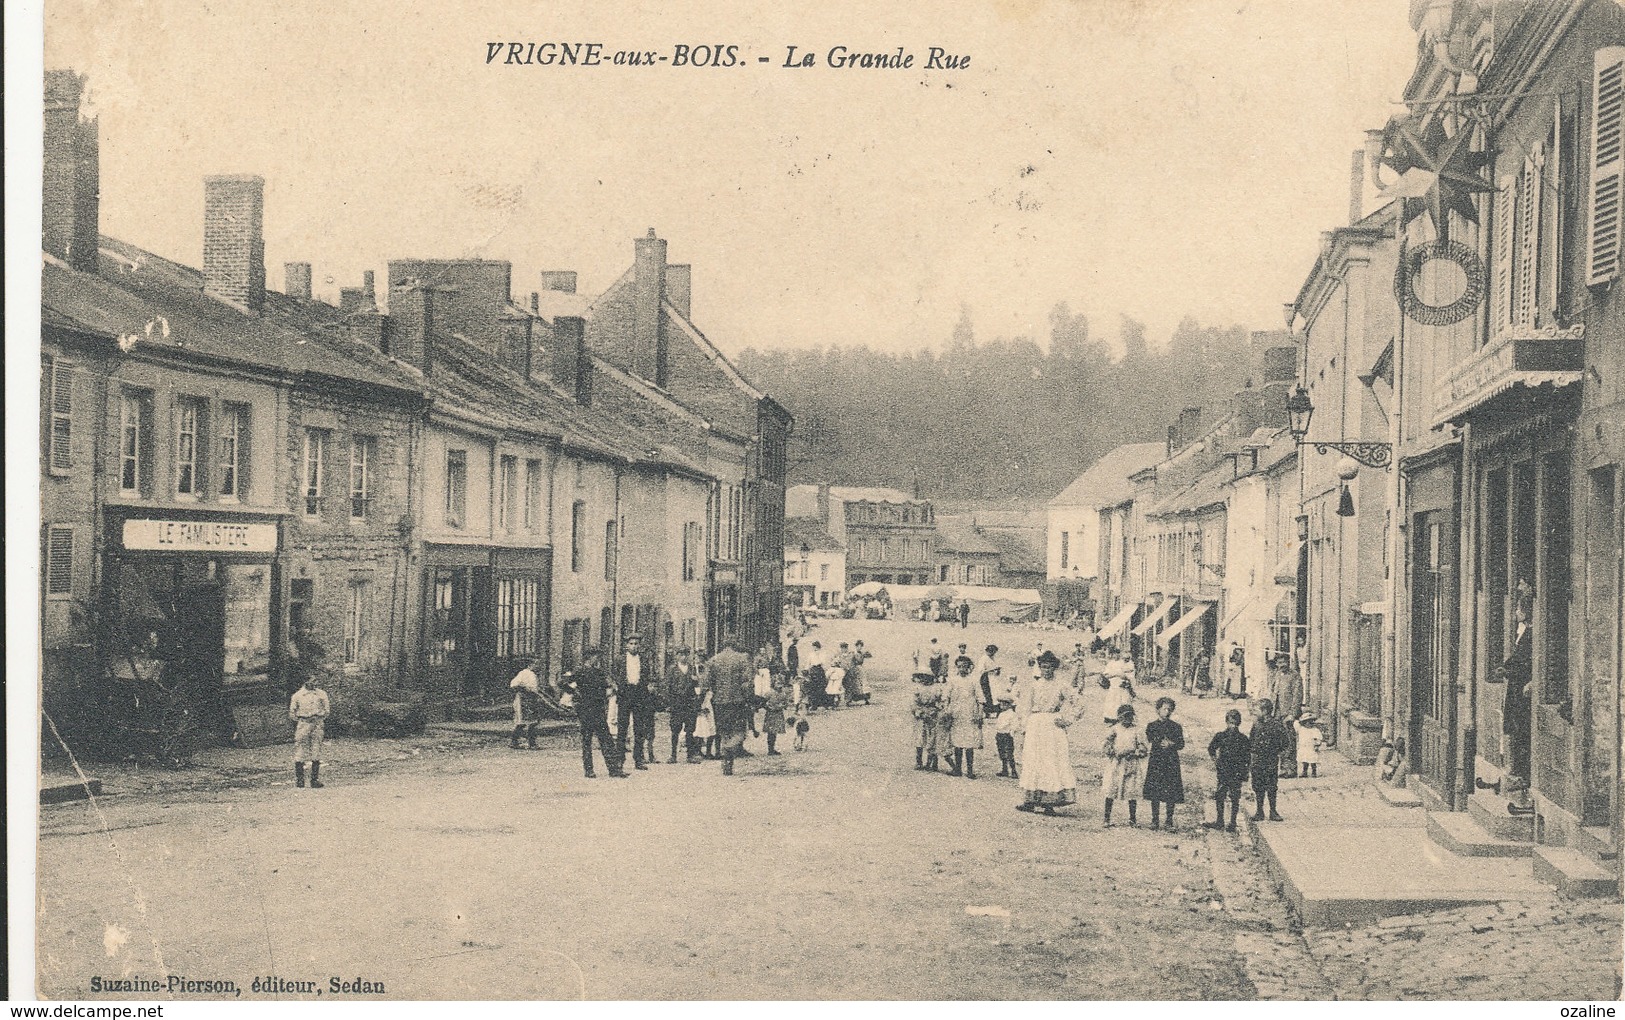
(1002, 419)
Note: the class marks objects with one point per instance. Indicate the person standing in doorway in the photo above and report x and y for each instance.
(1235, 670)
(1516, 713)
(308, 709)
(632, 704)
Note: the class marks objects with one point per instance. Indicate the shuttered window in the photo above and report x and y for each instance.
(59, 561)
(58, 403)
(1506, 205)
(1528, 270)
(1607, 163)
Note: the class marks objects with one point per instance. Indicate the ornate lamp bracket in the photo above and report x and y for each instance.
(1372, 455)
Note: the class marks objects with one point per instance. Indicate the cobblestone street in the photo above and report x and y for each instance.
(467, 870)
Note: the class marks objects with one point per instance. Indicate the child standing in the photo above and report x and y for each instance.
(1267, 741)
(1164, 783)
(308, 709)
(705, 727)
(1126, 751)
(927, 704)
(1309, 741)
(1231, 756)
(778, 699)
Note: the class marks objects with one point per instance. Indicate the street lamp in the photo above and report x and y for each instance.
(1300, 409)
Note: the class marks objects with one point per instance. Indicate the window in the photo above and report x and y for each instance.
(363, 454)
(57, 401)
(518, 613)
(823, 571)
(314, 477)
(58, 561)
(578, 535)
(533, 496)
(508, 494)
(944, 573)
(885, 549)
(609, 550)
(135, 438)
(355, 616)
(456, 488)
(188, 426)
(1066, 548)
(863, 549)
(233, 437)
(692, 540)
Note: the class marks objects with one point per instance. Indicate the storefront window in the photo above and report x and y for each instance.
(247, 589)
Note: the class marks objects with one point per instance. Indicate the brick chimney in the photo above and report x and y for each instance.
(233, 238)
(409, 329)
(823, 504)
(351, 300)
(648, 324)
(679, 287)
(1247, 411)
(471, 296)
(562, 281)
(296, 280)
(572, 366)
(72, 197)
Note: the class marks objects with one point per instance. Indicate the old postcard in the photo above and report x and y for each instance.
(997, 500)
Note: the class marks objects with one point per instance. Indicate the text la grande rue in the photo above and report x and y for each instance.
(936, 59)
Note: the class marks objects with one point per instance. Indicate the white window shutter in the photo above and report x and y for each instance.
(1506, 206)
(1528, 274)
(1552, 261)
(1607, 164)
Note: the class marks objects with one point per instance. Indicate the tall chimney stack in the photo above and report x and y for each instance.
(679, 287)
(369, 295)
(648, 288)
(296, 280)
(70, 228)
(233, 238)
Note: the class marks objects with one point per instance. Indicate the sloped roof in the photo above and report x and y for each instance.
(1106, 481)
(1016, 553)
(808, 531)
(1210, 488)
(133, 288)
(802, 500)
(957, 535)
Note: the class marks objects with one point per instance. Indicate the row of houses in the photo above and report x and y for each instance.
(838, 537)
(1437, 518)
(429, 485)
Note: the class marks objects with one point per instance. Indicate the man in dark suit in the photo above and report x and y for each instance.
(633, 703)
(682, 697)
(589, 688)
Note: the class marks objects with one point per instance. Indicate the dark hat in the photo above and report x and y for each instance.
(967, 660)
(1125, 709)
(1049, 659)
(924, 676)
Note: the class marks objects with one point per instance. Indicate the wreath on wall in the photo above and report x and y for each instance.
(1410, 265)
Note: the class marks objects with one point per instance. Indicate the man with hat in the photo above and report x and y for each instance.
(730, 678)
(633, 701)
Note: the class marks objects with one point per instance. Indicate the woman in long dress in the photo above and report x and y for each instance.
(1047, 779)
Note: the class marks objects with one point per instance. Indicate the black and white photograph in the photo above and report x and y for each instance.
(987, 501)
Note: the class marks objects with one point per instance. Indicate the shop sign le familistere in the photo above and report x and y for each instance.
(199, 536)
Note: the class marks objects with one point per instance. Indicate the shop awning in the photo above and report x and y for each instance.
(1155, 618)
(1119, 621)
(1194, 613)
(1286, 571)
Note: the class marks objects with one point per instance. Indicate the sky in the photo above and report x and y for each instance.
(1151, 159)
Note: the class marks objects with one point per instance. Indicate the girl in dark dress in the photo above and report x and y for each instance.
(1164, 784)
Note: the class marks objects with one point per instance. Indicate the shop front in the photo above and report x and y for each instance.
(722, 609)
(486, 616)
(1427, 665)
(189, 599)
